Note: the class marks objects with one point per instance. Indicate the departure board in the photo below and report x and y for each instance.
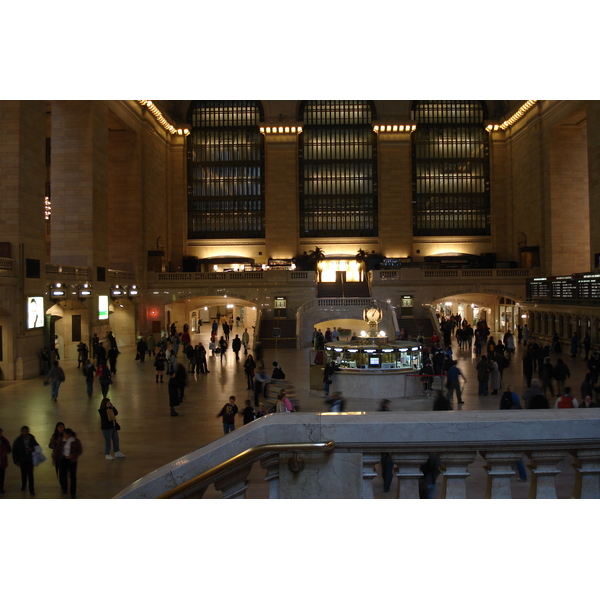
(564, 287)
(539, 288)
(588, 287)
(581, 286)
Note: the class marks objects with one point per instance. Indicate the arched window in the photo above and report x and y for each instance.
(451, 183)
(338, 169)
(225, 170)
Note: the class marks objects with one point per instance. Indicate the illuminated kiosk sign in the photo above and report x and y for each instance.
(102, 307)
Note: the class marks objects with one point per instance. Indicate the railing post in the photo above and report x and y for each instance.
(587, 477)
(234, 484)
(544, 470)
(409, 473)
(455, 473)
(271, 464)
(500, 469)
(369, 473)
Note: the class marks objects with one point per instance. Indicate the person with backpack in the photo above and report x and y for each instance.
(566, 400)
(509, 399)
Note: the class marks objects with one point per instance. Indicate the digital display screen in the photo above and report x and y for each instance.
(35, 312)
(102, 307)
(374, 361)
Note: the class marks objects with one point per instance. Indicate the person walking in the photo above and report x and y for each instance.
(55, 378)
(59, 430)
(173, 395)
(5, 450)
(483, 375)
(110, 429)
(546, 375)
(561, 374)
(142, 348)
(159, 364)
(227, 414)
(236, 346)
(22, 452)
(248, 413)
(249, 366)
(587, 344)
(453, 376)
(245, 340)
(328, 372)
(104, 377)
(201, 359)
(89, 371)
(65, 456)
(151, 344)
(112, 355)
(46, 361)
(222, 348)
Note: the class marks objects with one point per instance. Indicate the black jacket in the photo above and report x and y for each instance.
(22, 453)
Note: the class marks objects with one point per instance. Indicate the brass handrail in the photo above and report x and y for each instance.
(247, 456)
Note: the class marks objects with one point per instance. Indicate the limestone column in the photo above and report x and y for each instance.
(271, 464)
(592, 108)
(409, 473)
(22, 230)
(282, 214)
(587, 482)
(500, 469)
(80, 184)
(455, 472)
(369, 473)
(234, 484)
(395, 191)
(544, 471)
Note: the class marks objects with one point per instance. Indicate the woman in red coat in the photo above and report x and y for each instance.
(65, 455)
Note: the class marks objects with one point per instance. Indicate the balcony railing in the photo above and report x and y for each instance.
(427, 274)
(354, 443)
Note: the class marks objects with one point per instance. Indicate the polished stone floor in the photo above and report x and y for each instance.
(150, 437)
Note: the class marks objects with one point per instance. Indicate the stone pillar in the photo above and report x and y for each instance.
(369, 473)
(544, 472)
(22, 192)
(234, 484)
(500, 469)
(282, 226)
(592, 108)
(80, 183)
(409, 473)
(587, 480)
(395, 193)
(455, 472)
(271, 464)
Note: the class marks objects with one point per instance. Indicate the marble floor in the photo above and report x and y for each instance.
(150, 437)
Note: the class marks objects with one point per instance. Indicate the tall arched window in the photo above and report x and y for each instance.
(338, 169)
(451, 183)
(225, 170)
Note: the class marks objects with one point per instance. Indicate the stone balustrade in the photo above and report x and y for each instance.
(543, 438)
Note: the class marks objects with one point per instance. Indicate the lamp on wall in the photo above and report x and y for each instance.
(84, 291)
(58, 291)
(116, 291)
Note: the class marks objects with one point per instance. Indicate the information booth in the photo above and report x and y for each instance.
(375, 367)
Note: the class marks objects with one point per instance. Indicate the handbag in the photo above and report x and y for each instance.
(37, 456)
(117, 426)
